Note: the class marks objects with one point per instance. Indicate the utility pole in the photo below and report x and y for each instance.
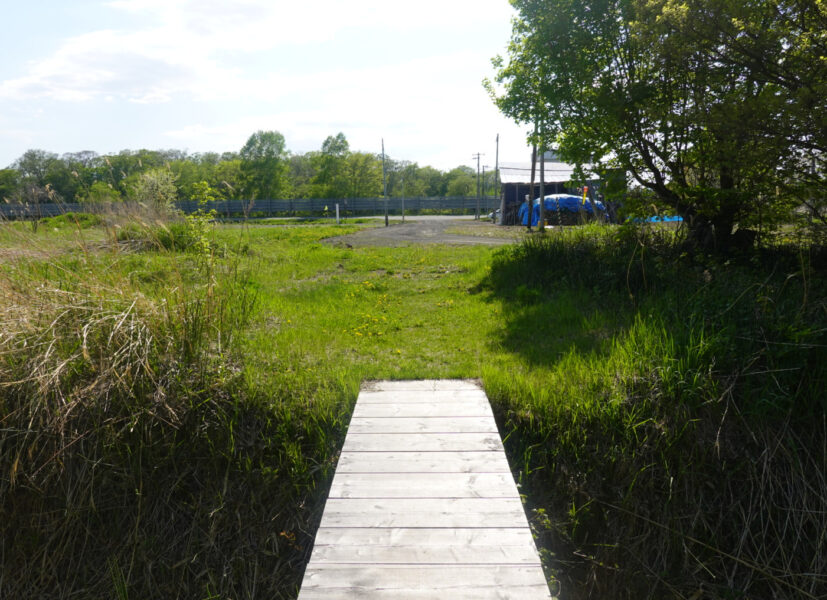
(384, 183)
(497, 180)
(477, 156)
(484, 167)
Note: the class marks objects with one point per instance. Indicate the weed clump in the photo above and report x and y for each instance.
(70, 219)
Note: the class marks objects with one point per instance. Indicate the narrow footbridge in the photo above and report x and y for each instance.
(423, 504)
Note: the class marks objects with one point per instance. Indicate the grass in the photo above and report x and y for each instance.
(677, 446)
(485, 228)
(173, 411)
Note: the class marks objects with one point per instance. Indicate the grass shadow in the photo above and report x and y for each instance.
(655, 383)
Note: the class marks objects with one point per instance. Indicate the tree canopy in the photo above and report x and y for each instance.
(264, 165)
(717, 107)
(262, 168)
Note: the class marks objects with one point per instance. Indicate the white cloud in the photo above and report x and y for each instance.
(262, 24)
(422, 108)
(187, 47)
(226, 68)
(129, 66)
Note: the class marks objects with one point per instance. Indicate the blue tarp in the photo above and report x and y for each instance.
(664, 219)
(567, 202)
(656, 219)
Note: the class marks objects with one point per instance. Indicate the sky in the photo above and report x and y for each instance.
(203, 75)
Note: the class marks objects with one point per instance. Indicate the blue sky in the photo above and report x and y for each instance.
(202, 75)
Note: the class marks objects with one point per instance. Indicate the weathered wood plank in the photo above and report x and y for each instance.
(423, 462)
(422, 384)
(423, 505)
(423, 512)
(414, 397)
(523, 592)
(422, 485)
(515, 592)
(427, 555)
(422, 425)
(422, 442)
(395, 580)
(424, 536)
(424, 409)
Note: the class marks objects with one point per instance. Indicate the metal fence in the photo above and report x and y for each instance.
(271, 208)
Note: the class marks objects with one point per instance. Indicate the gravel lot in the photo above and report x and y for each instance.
(445, 230)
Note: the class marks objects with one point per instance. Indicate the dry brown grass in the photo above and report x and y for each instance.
(121, 472)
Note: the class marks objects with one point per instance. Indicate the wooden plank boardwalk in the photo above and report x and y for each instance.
(423, 504)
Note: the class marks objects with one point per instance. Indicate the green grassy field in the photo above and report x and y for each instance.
(173, 409)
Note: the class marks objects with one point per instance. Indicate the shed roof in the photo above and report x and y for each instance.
(554, 172)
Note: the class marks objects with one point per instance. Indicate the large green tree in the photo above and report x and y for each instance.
(264, 165)
(363, 175)
(331, 166)
(55, 178)
(9, 184)
(461, 181)
(664, 91)
(301, 172)
(783, 45)
(34, 165)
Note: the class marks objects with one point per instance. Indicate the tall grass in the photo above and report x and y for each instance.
(134, 459)
(683, 455)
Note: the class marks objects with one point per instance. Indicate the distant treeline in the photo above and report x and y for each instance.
(262, 169)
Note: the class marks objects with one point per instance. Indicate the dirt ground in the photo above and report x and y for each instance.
(449, 231)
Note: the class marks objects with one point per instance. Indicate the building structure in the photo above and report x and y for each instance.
(515, 183)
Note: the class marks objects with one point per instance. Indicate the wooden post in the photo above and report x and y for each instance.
(542, 190)
(384, 183)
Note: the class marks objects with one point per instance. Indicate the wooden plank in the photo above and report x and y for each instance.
(422, 485)
(423, 462)
(494, 554)
(515, 592)
(425, 546)
(413, 396)
(429, 385)
(423, 505)
(422, 425)
(422, 442)
(522, 592)
(423, 409)
(440, 581)
(424, 536)
(423, 512)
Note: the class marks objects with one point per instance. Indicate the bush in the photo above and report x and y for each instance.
(70, 219)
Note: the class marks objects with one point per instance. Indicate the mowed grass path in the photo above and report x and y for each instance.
(371, 313)
(398, 313)
(330, 318)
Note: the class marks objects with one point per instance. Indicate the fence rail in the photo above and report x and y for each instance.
(269, 208)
